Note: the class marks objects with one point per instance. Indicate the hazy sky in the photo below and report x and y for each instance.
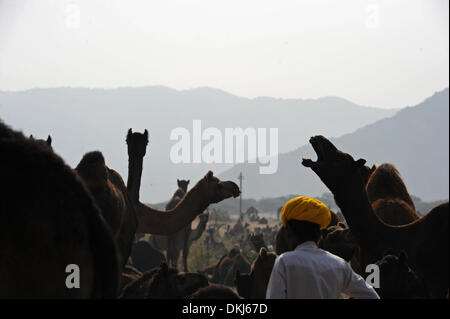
(382, 53)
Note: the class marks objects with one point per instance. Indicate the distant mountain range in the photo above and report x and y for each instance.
(82, 120)
(415, 140)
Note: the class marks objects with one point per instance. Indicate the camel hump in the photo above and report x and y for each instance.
(386, 182)
(394, 211)
(92, 167)
(92, 158)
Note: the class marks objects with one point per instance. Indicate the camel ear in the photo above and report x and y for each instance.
(146, 134)
(209, 176)
(263, 252)
(188, 181)
(360, 162)
(49, 140)
(129, 134)
(373, 169)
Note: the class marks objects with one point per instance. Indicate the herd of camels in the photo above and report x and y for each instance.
(54, 216)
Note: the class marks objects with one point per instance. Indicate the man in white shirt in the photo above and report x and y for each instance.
(309, 272)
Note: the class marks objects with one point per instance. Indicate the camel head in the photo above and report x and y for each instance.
(332, 166)
(47, 142)
(339, 241)
(261, 270)
(169, 283)
(366, 172)
(137, 143)
(264, 263)
(217, 190)
(183, 184)
(397, 279)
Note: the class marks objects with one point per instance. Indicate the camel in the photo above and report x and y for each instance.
(111, 195)
(161, 242)
(145, 257)
(425, 240)
(164, 283)
(254, 284)
(390, 200)
(224, 271)
(136, 147)
(338, 240)
(397, 279)
(49, 221)
(119, 208)
(211, 243)
(257, 241)
(47, 142)
(389, 196)
(208, 190)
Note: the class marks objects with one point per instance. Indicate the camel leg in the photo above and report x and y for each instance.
(171, 260)
(176, 254)
(186, 247)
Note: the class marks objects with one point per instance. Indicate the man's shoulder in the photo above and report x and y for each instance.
(316, 253)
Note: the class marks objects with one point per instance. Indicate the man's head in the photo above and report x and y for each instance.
(303, 218)
(300, 231)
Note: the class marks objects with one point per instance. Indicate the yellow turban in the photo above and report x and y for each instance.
(306, 208)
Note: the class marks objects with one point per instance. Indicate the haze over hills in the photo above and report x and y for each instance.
(415, 140)
(82, 120)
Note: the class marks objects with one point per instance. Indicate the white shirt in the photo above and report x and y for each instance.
(309, 272)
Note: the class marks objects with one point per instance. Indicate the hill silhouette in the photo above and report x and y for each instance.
(415, 140)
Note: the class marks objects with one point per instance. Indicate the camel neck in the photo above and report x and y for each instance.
(198, 231)
(354, 203)
(194, 201)
(168, 222)
(134, 177)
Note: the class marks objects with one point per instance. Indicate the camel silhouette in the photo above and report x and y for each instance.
(49, 221)
(47, 142)
(111, 195)
(224, 271)
(397, 279)
(425, 240)
(145, 257)
(179, 243)
(164, 283)
(208, 190)
(253, 285)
